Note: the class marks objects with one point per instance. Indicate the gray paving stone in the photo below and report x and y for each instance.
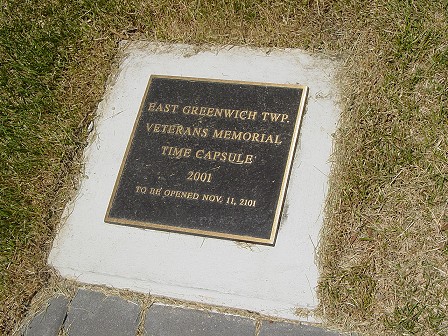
(49, 321)
(289, 329)
(174, 321)
(95, 314)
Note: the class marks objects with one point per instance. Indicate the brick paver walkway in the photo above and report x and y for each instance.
(92, 313)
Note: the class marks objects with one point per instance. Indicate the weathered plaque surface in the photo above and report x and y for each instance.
(209, 157)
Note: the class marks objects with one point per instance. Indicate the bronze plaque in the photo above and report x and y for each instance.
(210, 158)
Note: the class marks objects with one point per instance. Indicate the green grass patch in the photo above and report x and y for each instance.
(40, 134)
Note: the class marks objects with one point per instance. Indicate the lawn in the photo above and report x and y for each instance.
(384, 248)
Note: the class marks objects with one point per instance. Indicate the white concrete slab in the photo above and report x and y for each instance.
(270, 280)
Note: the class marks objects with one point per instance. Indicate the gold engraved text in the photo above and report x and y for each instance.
(206, 111)
(213, 198)
(275, 117)
(247, 136)
(199, 176)
(161, 107)
(177, 129)
(180, 194)
(176, 152)
(235, 158)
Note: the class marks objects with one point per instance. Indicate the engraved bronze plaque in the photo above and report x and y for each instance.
(209, 157)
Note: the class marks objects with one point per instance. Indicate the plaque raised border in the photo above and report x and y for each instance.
(120, 212)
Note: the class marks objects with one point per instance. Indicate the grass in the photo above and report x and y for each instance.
(387, 211)
(42, 131)
(384, 244)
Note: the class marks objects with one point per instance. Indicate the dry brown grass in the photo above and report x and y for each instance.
(384, 247)
(383, 253)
